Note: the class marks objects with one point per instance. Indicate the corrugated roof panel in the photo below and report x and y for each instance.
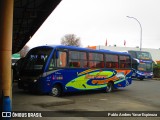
(28, 16)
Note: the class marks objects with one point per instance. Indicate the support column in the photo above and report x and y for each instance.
(6, 28)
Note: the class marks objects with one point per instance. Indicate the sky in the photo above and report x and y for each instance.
(96, 21)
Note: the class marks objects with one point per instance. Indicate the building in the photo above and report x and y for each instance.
(154, 52)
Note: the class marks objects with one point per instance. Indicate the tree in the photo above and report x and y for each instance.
(70, 40)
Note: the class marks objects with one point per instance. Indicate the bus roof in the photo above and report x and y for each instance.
(138, 51)
(83, 49)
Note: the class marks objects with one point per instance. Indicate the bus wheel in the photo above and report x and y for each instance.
(56, 91)
(109, 87)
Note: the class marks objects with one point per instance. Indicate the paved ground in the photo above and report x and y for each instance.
(23, 100)
(140, 96)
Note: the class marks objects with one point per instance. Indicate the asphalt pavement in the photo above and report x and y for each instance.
(25, 101)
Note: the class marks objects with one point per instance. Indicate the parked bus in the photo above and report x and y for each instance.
(142, 64)
(60, 69)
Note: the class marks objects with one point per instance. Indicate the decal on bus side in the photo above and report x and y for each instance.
(96, 78)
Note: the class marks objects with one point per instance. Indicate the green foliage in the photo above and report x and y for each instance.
(156, 70)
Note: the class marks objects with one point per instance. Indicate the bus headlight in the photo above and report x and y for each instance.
(34, 81)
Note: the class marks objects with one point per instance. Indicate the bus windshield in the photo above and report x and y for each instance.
(35, 61)
(145, 67)
(144, 55)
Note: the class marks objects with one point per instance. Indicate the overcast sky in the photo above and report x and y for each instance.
(94, 21)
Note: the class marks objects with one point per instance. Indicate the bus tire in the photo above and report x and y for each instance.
(109, 87)
(56, 90)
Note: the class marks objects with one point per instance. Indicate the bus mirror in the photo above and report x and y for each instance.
(57, 54)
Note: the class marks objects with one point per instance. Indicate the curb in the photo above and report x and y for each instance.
(156, 78)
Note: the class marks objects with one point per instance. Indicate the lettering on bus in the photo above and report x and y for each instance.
(97, 76)
(101, 82)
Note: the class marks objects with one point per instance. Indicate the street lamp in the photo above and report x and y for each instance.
(140, 31)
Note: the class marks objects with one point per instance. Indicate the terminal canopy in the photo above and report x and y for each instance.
(28, 17)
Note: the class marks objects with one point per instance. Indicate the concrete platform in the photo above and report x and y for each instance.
(25, 101)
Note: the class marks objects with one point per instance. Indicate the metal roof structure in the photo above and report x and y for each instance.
(28, 16)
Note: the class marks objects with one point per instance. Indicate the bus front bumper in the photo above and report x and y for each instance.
(33, 86)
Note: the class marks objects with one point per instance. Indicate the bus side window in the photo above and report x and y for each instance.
(62, 60)
(125, 61)
(77, 59)
(116, 65)
(111, 61)
(101, 64)
(122, 65)
(96, 60)
(74, 64)
(108, 65)
(52, 64)
(92, 64)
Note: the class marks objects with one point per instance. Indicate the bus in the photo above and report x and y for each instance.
(142, 64)
(59, 69)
